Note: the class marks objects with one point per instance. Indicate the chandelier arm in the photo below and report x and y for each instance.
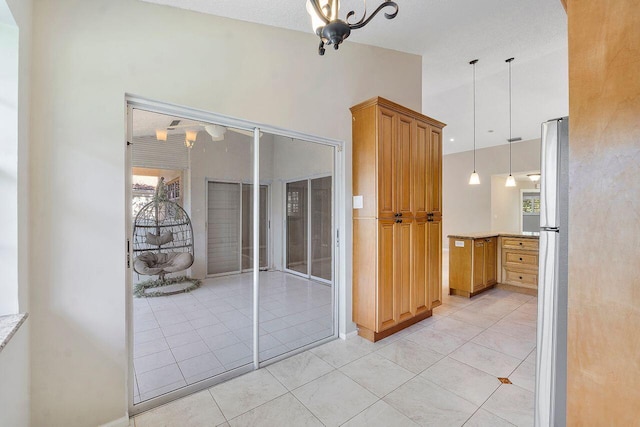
(364, 21)
(319, 11)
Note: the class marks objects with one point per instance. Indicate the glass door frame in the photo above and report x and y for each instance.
(308, 275)
(339, 305)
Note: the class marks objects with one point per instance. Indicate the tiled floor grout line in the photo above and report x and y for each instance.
(217, 405)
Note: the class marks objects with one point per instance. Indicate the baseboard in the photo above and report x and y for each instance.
(348, 335)
(120, 422)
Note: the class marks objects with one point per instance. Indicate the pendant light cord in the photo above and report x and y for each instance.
(474, 113)
(510, 138)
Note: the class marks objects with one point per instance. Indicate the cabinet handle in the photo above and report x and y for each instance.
(520, 259)
(520, 243)
(399, 214)
(398, 221)
(396, 215)
(520, 277)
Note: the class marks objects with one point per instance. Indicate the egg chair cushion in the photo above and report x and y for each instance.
(160, 240)
(150, 263)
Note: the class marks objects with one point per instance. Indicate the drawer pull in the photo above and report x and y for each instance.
(520, 243)
(520, 259)
(520, 277)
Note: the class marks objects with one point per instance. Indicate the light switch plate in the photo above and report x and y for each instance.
(459, 243)
(358, 202)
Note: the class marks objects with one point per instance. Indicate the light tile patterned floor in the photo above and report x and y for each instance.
(440, 372)
(185, 338)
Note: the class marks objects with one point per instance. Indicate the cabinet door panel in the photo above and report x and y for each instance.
(404, 172)
(385, 296)
(386, 163)
(403, 274)
(491, 261)
(434, 261)
(478, 265)
(420, 283)
(434, 182)
(420, 177)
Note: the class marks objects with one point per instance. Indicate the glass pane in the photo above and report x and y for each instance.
(297, 220)
(321, 228)
(207, 331)
(223, 236)
(296, 307)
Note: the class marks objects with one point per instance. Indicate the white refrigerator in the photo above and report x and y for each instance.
(551, 350)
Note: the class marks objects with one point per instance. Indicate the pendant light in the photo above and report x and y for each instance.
(474, 179)
(511, 182)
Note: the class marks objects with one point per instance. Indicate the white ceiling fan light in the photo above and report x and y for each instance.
(216, 132)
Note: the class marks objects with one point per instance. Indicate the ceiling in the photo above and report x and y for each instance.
(448, 34)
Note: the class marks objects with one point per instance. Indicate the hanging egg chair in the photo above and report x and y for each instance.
(162, 237)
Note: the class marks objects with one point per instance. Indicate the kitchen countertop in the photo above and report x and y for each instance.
(526, 235)
(9, 324)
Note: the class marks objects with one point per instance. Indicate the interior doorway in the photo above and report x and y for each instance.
(230, 179)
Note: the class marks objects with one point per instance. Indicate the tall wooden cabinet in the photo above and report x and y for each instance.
(397, 230)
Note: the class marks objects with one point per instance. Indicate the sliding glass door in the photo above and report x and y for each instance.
(297, 226)
(266, 272)
(309, 238)
(223, 227)
(230, 227)
(321, 228)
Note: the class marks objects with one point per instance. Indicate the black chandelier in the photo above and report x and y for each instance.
(330, 29)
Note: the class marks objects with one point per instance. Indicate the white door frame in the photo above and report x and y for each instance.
(339, 295)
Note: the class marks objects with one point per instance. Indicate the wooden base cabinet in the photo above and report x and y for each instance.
(473, 265)
(520, 262)
(397, 258)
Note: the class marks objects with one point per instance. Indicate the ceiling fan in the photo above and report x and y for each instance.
(216, 132)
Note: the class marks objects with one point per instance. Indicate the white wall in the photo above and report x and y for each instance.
(467, 208)
(14, 383)
(86, 56)
(506, 212)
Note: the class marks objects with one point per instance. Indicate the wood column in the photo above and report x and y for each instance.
(604, 213)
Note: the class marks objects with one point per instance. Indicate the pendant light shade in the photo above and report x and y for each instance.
(511, 182)
(474, 179)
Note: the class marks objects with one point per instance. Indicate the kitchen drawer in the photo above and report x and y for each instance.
(524, 259)
(516, 243)
(521, 278)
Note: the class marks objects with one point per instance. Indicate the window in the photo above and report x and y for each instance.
(530, 211)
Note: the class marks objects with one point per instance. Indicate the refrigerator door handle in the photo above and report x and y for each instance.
(546, 334)
(549, 174)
